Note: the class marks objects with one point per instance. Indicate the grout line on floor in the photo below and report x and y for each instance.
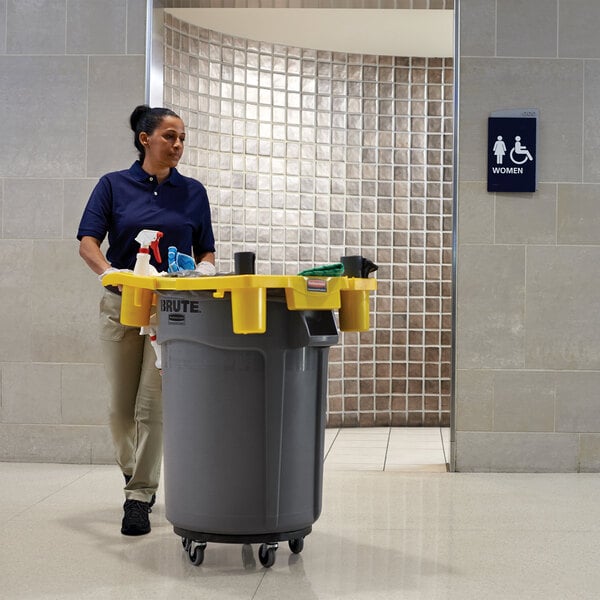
(259, 584)
(444, 450)
(387, 447)
(49, 495)
(331, 445)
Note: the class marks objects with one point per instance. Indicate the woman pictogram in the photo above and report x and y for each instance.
(499, 150)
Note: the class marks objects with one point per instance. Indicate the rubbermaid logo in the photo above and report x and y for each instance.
(316, 285)
(176, 319)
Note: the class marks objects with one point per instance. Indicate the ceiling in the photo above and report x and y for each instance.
(389, 32)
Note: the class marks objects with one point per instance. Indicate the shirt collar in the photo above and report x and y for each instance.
(175, 178)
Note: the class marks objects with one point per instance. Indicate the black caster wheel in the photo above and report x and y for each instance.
(196, 553)
(296, 545)
(186, 542)
(266, 554)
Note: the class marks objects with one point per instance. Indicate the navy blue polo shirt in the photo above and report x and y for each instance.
(125, 202)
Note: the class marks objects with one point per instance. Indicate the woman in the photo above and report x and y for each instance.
(151, 194)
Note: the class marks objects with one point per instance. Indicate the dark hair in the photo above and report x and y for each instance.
(144, 118)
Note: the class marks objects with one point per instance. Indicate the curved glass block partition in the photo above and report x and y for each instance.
(310, 155)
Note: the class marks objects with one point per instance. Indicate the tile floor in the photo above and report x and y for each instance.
(387, 449)
(387, 531)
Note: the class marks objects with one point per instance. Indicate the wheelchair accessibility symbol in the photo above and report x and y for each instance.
(518, 154)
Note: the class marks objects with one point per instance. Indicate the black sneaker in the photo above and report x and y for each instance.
(152, 500)
(135, 519)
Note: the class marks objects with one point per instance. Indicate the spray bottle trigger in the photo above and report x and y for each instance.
(155, 248)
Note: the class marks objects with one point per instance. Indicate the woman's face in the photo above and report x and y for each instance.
(165, 146)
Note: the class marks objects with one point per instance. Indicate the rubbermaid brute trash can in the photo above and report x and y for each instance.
(244, 362)
(244, 419)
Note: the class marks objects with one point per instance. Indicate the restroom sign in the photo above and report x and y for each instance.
(512, 147)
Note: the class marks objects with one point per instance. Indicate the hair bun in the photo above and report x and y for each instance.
(137, 114)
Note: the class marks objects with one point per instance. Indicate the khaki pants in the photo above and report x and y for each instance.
(136, 400)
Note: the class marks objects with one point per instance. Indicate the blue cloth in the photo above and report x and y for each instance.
(125, 202)
(179, 261)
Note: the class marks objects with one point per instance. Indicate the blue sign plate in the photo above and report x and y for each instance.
(512, 151)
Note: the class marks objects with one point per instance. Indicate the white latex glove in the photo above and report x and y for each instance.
(206, 268)
(106, 272)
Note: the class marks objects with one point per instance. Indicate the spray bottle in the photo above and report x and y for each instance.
(148, 240)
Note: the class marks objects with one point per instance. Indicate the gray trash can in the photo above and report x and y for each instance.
(244, 421)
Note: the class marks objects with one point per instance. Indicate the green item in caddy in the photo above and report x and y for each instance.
(333, 270)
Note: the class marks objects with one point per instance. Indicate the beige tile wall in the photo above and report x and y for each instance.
(68, 82)
(310, 155)
(527, 330)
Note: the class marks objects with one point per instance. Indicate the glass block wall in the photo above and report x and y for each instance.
(311, 155)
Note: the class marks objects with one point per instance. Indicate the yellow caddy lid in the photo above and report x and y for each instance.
(248, 296)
